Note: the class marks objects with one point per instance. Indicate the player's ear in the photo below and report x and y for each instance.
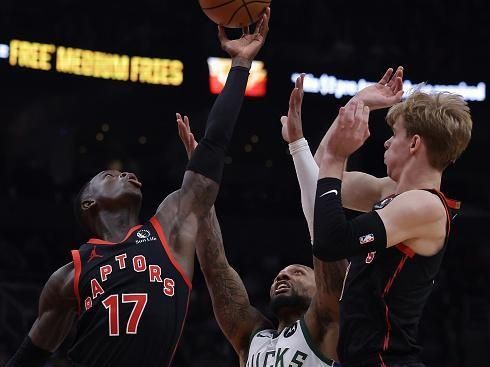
(415, 142)
(87, 204)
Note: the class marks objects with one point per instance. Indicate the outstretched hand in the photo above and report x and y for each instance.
(186, 136)
(249, 44)
(292, 128)
(385, 93)
(350, 131)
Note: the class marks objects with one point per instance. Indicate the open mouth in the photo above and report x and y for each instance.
(135, 182)
(282, 288)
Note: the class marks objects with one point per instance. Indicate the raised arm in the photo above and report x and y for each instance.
(180, 213)
(416, 217)
(234, 314)
(57, 312)
(323, 315)
(360, 190)
(205, 167)
(304, 164)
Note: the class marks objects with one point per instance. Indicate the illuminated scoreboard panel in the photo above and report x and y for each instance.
(170, 72)
(96, 64)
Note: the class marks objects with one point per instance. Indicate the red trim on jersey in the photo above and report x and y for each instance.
(163, 241)
(183, 323)
(96, 241)
(381, 360)
(406, 250)
(451, 203)
(75, 254)
(398, 269)
(386, 341)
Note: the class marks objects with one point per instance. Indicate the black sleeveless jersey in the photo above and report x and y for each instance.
(383, 299)
(133, 298)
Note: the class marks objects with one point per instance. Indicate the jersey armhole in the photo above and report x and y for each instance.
(312, 345)
(448, 205)
(253, 334)
(77, 264)
(163, 240)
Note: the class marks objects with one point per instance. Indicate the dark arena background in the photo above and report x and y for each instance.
(90, 85)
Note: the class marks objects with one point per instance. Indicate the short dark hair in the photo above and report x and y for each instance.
(77, 209)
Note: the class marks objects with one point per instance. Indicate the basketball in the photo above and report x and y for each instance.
(234, 13)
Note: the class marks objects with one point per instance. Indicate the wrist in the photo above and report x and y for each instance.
(298, 145)
(332, 165)
(329, 157)
(355, 99)
(241, 61)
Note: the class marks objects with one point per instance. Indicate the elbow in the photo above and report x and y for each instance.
(327, 250)
(328, 244)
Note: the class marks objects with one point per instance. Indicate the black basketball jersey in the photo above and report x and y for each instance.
(133, 298)
(383, 299)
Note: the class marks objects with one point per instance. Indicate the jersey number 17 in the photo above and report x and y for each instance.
(112, 304)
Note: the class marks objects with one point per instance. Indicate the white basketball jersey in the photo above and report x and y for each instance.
(292, 348)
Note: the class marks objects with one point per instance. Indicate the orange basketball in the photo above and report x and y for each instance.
(234, 13)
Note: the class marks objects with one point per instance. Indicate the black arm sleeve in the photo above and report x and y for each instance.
(337, 238)
(208, 158)
(28, 355)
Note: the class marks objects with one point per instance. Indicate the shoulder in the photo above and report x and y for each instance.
(59, 287)
(424, 204)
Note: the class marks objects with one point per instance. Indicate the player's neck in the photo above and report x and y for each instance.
(288, 318)
(113, 226)
(419, 178)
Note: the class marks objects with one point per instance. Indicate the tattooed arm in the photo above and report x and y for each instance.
(231, 306)
(322, 317)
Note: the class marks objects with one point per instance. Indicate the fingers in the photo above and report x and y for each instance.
(259, 25)
(364, 126)
(245, 30)
(342, 112)
(296, 97)
(292, 97)
(264, 27)
(350, 115)
(393, 83)
(399, 72)
(398, 85)
(359, 115)
(365, 115)
(189, 135)
(301, 81)
(386, 77)
(181, 128)
(222, 34)
(346, 115)
(297, 82)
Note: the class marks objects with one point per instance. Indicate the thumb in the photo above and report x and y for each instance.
(284, 120)
(222, 34)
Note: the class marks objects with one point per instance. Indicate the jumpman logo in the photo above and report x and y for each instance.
(93, 254)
